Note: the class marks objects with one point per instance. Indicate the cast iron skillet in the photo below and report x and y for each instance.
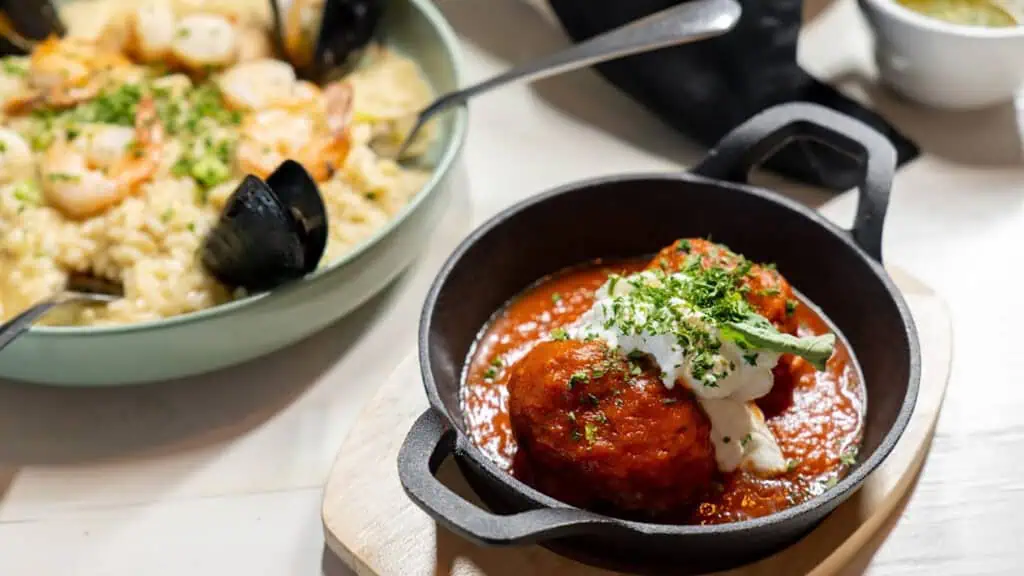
(634, 215)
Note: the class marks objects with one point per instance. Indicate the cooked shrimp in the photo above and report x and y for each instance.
(151, 30)
(65, 71)
(263, 84)
(254, 43)
(82, 180)
(16, 161)
(316, 137)
(14, 86)
(203, 41)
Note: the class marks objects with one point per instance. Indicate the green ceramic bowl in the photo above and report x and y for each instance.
(250, 328)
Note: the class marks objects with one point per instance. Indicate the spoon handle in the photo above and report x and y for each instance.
(22, 322)
(680, 24)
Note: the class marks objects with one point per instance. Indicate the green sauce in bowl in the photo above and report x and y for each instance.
(966, 12)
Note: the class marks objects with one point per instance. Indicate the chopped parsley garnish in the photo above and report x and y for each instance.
(576, 435)
(791, 307)
(559, 334)
(602, 417)
(683, 246)
(590, 432)
(490, 373)
(577, 378)
(27, 192)
(3, 147)
(849, 457)
(496, 362)
(751, 358)
(792, 464)
(167, 215)
(593, 400)
(63, 177)
(769, 292)
(636, 370)
(14, 66)
(556, 297)
(745, 440)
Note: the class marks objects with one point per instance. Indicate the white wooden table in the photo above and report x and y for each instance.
(222, 474)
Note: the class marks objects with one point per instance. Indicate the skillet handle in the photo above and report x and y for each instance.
(427, 445)
(762, 135)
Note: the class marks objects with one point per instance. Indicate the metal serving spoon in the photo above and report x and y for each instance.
(78, 289)
(680, 24)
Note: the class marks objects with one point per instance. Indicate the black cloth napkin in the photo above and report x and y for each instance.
(706, 88)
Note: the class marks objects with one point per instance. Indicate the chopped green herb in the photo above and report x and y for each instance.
(167, 215)
(556, 297)
(559, 334)
(3, 147)
(769, 292)
(12, 66)
(751, 358)
(593, 400)
(636, 370)
(831, 482)
(191, 226)
(576, 436)
(590, 431)
(182, 32)
(683, 246)
(726, 439)
(745, 440)
(63, 177)
(792, 464)
(572, 417)
(27, 192)
(849, 457)
(490, 373)
(602, 417)
(577, 378)
(597, 373)
(791, 307)
(496, 362)
(669, 400)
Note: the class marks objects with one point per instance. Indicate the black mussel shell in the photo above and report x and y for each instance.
(269, 233)
(23, 22)
(296, 190)
(347, 28)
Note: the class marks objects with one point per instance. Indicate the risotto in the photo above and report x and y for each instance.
(120, 144)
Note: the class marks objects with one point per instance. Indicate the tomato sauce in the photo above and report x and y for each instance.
(817, 423)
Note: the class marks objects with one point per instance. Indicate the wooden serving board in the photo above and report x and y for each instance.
(376, 530)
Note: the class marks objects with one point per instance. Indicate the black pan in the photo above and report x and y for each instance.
(635, 215)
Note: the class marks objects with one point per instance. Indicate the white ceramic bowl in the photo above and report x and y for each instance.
(945, 65)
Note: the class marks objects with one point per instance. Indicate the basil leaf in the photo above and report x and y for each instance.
(755, 332)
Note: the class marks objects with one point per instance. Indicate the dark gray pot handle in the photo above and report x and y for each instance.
(427, 445)
(763, 134)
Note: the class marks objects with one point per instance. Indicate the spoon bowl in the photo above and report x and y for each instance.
(682, 24)
(79, 289)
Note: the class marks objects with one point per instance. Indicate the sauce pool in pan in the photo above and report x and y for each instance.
(815, 416)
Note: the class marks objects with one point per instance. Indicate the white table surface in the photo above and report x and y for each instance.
(222, 475)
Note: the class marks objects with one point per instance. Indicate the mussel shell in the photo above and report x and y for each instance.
(347, 28)
(269, 233)
(297, 191)
(24, 22)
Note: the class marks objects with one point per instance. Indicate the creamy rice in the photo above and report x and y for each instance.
(149, 240)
